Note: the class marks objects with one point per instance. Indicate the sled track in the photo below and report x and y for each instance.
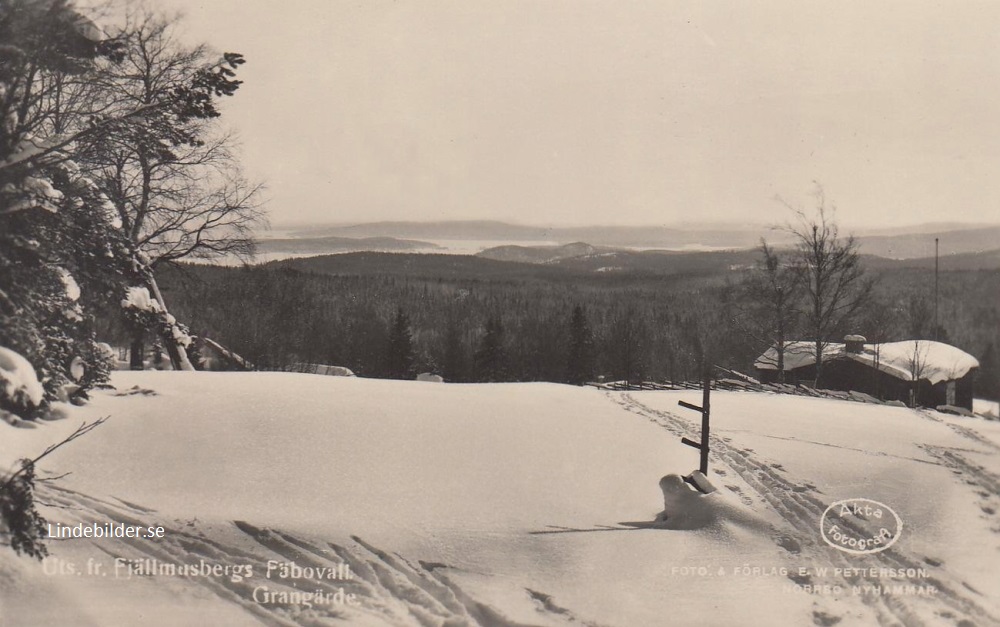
(801, 511)
(390, 589)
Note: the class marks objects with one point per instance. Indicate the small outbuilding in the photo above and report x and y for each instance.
(916, 372)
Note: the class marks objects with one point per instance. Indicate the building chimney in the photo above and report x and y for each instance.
(854, 343)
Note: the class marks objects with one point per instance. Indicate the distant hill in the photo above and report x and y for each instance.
(616, 265)
(987, 260)
(542, 254)
(546, 264)
(333, 244)
(698, 236)
(909, 242)
(919, 245)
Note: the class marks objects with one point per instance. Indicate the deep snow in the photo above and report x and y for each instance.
(502, 504)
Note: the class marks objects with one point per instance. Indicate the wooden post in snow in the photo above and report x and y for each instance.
(705, 411)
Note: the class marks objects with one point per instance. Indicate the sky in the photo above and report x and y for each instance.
(614, 112)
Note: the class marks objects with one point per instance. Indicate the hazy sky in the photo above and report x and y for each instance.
(551, 112)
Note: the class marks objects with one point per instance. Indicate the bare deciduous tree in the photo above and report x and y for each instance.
(769, 304)
(917, 367)
(170, 174)
(175, 183)
(834, 280)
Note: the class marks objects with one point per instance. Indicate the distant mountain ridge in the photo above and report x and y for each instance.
(609, 235)
(911, 242)
(917, 245)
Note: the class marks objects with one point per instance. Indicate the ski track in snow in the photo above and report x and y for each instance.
(391, 589)
(799, 508)
(986, 483)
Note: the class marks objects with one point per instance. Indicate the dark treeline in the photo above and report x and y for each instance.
(463, 329)
(573, 328)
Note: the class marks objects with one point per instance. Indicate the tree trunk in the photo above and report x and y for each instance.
(178, 355)
(781, 360)
(136, 352)
(819, 361)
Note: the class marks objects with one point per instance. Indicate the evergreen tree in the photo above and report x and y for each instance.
(60, 250)
(51, 118)
(580, 359)
(455, 363)
(627, 346)
(491, 356)
(400, 354)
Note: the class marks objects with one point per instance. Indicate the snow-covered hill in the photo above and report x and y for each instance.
(499, 504)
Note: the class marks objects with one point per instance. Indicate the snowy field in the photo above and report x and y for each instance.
(499, 504)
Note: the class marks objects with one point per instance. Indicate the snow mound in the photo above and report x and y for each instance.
(686, 509)
(18, 381)
(986, 408)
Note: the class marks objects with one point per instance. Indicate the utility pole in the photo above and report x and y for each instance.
(935, 289)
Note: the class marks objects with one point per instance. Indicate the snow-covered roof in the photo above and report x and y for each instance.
(797, 355)
(907, 360)
(918, 359)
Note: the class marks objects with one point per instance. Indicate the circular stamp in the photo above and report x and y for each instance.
(860, 526)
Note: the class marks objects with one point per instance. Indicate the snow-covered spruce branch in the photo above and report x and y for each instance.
(20, 521)
(81, 431)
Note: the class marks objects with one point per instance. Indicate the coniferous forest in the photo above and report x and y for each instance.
(531, 323)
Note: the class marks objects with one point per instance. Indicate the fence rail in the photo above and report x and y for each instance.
(737, 381)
